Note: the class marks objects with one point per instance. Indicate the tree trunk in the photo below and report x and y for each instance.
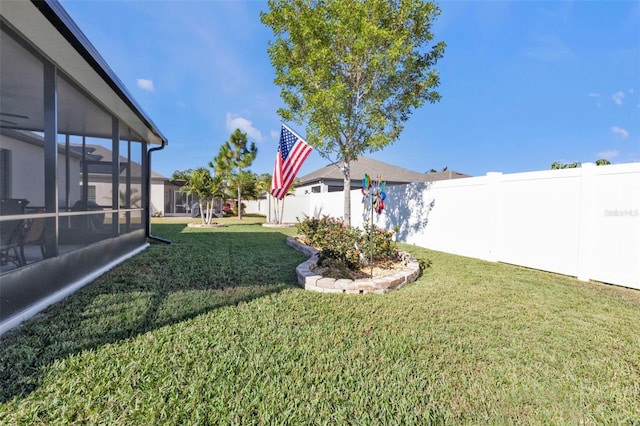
(209, 211)
(346, 170)
(239, 202)
(202, 218)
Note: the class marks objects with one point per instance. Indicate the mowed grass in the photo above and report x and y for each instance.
(213, 330)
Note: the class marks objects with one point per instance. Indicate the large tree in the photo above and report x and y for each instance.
(234, 156)
(353, 70)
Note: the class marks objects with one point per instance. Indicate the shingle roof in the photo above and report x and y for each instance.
(101, 153)
(389, 173)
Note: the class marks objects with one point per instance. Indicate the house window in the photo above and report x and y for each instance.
(5, 173)
(91, 193)
(315, 189)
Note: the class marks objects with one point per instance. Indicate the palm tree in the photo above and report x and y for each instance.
(263, 185)
(134, 200)
(200, 182)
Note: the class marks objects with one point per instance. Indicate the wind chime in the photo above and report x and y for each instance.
(373, 197)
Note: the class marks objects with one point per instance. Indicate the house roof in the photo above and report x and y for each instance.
(389, 173)
(95, 153)
(445, 175)
(100, 154)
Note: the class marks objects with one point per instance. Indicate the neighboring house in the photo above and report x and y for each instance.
(21, 152)
(175, 201)
(99, 160)
(75, 150)
(28, 148)
(331, 178)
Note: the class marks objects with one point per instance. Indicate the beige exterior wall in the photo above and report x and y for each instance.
(27, 173)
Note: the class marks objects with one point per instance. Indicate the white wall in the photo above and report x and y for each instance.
(582, 222)
(156, 198)
(613, 225)
(27, 173)
(294, 207)
(256, 206)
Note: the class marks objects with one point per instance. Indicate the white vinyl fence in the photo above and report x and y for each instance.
(582, 222)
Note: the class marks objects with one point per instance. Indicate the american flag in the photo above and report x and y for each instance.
(292, 151)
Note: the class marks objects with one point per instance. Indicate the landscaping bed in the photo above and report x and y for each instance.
(380, 278)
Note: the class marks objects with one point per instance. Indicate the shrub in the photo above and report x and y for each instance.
(346, 244)
(333, 238)
(234, 209)
(384, 248)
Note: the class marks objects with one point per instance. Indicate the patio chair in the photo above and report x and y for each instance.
(33, 234)
(10, 236)
(11, 231)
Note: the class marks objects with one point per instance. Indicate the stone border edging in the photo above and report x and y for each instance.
(278, 225)
(205, 225)
(311, 281)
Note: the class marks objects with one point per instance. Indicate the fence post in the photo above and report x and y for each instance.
(493, 215)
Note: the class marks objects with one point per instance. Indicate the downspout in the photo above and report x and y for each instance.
(148, 201)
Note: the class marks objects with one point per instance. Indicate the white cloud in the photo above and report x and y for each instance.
(596, 97)
(145, 84)
(620, 132)
(608, 154)
(618, 98)
(548, 49)
(234, 121)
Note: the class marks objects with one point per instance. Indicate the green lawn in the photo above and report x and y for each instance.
(212, 330)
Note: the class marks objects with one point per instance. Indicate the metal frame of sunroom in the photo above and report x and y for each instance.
(76, 90)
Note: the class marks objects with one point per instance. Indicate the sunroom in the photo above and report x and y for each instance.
(75, 153)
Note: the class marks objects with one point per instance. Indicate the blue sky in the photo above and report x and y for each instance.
(523, 83)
